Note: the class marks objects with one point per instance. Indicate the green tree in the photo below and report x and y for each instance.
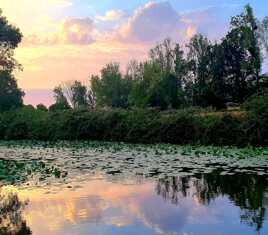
(41, 107)
(199, 58)
(242, 56)
(10, 37)
(79, 95)
(10, 94)
(211, 75)
(155, 89)
(168, 70)
(61, 102)
(217, 90)
(182, 73)
(163, 55)
(111, 89)
(134, 70)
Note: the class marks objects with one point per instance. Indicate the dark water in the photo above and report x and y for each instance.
(201, 204)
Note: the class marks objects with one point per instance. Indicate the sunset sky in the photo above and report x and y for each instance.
(72, 39)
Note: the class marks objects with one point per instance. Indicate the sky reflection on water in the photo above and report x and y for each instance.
(205, 204)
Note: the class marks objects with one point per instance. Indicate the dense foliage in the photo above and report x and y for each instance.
(140, 125)
(150, 101)
(204, 74)
(10, 94)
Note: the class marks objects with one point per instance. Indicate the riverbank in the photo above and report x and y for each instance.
(186, 126)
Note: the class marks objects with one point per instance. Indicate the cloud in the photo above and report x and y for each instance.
(206, 23)
(111, 15)
(24, 13)
(212, 21)
(191, 31)
(156, 21)
(153, 22)
(148, 24)
(79, 31)
(74, 48)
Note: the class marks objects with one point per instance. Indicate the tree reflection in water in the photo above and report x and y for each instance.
(11, 220)
(249, 192)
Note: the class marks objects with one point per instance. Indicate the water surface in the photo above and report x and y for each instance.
(119, 190)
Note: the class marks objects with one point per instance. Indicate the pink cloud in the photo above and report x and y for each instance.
(153, 22)
(111, 15)
(77, 49)
(72, 31)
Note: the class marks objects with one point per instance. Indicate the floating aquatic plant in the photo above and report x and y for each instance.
(41, 161)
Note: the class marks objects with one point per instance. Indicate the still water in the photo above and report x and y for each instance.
(100, 203)
(208, 204)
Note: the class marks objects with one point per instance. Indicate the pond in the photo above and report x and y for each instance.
(83, 188)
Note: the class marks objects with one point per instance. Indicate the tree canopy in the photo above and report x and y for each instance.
(10, 94)
(204, 74)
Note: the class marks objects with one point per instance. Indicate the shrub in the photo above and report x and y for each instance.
(41, 107)
(257, 106)
(138, 126)
(257, 122)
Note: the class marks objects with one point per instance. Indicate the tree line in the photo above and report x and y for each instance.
(202, 73)
(130, 106)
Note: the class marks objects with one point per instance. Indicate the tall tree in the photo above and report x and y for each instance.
(111, 89)
(211, 74)
(163, 55)
(10, 94)
(10, 37)
(217, 89)
(199, 58)
(242, 56)
(79, 95)
(134, 70)
(155, 88)
(181, 65)
(61, 102)
(182, 73)
(173, 68)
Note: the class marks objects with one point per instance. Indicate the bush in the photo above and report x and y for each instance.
(257, 122)
(138, 126)
(257, 106)
(41, 107)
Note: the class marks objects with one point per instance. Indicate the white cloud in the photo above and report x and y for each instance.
(153, 22)
(60, 47)
(148, 24)
(111, 15)
(34, 16)
(77, 31)
(158, 20)
(80, 31)
(211, 21)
